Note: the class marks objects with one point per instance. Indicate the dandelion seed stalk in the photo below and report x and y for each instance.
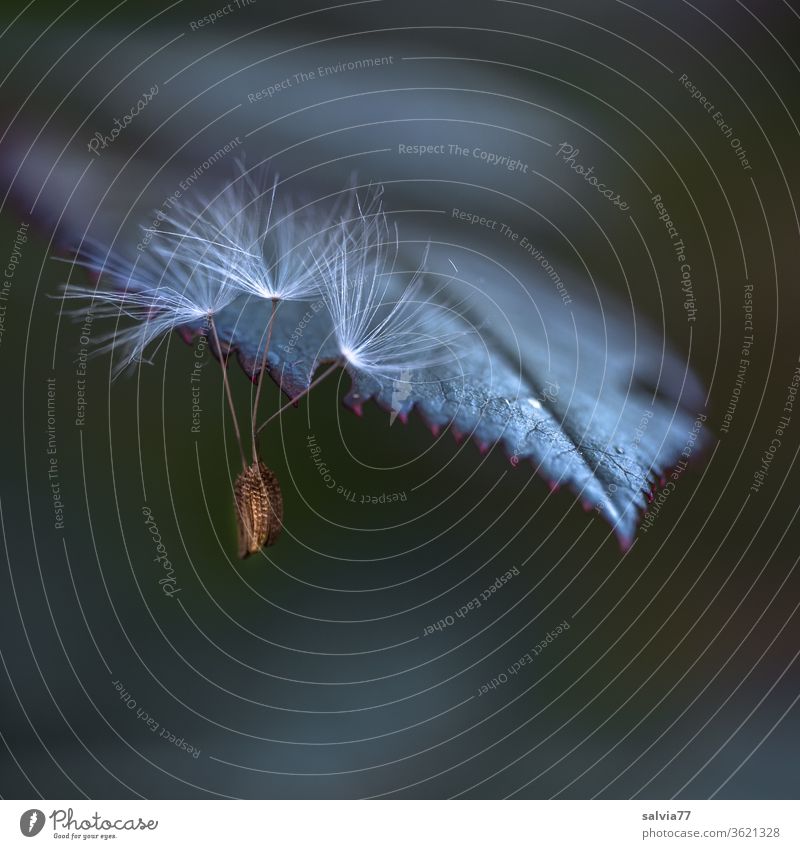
(254, 418)
(224, 363)
(331, 368)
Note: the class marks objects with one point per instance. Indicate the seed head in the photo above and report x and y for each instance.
(259, 508)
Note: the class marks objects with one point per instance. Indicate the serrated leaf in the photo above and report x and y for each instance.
(592, 402)
(612, 375)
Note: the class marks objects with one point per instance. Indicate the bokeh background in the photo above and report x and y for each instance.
(307, 672)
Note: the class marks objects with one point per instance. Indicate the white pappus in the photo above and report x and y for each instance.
(253, 237)
(260, 244)
(385, 324)
(158, 291)
(161, 292)
(383, 319)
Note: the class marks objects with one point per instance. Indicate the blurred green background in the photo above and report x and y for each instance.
(305, 672)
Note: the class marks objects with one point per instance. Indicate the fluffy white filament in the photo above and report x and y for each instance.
(384, 323)
(158, 291)
(253, 238)
(247, 242)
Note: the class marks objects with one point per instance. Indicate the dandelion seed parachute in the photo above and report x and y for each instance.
(377, 332)
(384, 326)
(254, 238)
(158, 290)
(247, 241)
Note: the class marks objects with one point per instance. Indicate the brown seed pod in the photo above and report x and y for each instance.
(259, 508)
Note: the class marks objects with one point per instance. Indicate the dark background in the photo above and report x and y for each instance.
(305, 672)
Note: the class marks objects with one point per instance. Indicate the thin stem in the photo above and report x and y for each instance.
(254, 417)
(224, 363)
(296, 398)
